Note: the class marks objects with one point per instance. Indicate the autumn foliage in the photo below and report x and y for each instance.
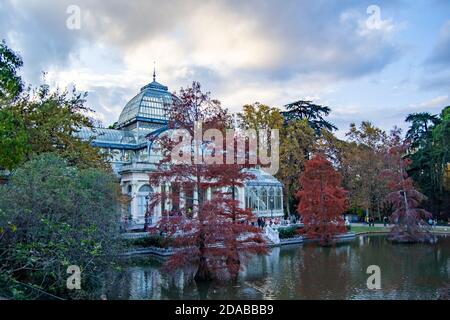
(410, 220)
(201, 214)
(322, 200)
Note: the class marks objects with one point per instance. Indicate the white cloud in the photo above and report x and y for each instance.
(241, 51)
(438, 101)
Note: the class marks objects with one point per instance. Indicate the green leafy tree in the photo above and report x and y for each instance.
(10, 82)
(298, 141)
(13, 136)
(41, 120)
(260, 117)
(430, 158)
(53, 215)
(441, 154)
(364, 162)
(52, 120)
(13, 140)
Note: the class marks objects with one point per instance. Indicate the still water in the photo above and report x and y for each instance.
(303, 272)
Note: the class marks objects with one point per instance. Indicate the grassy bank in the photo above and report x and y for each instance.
(367, 229)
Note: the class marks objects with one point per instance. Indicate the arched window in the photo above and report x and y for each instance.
(278, 199)
(254, 199)
(143, 197)
(263, 200)
(271, 199)
(145, 188)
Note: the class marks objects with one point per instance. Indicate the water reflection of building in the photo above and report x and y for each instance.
(133, 156)
(310, 272)
(144, 283)
(152, 282)
(262, 265)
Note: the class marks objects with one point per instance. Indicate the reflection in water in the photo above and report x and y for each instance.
(302, 272)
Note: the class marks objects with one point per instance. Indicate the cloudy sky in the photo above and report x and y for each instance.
(367, 60)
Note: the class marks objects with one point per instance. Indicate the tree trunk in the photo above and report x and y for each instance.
(286, 200)
(233, 262)
(379, 212)
(203, 273)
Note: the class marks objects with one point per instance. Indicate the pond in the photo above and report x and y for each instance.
(306, 271)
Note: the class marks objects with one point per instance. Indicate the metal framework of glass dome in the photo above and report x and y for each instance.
(152, 104)
(146, 113)
(102, 137)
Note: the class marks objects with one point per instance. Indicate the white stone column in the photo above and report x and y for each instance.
(195, 197)
(208, 194)
(195, 201)
(241, 192)
(157, 209)
(134, 202)
(282, 201)
(182, 198)
(167, 198)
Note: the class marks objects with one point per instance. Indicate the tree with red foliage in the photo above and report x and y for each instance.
(322, 200)
(410, 220)
(212, 233)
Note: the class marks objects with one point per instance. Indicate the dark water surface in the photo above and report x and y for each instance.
(307, 271)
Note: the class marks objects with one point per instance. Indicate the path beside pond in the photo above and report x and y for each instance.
(362, 228)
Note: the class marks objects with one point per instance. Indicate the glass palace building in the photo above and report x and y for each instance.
(133, 157)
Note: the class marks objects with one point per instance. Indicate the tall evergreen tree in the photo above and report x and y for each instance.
(314, 113)
(430, 157)
(421, 125)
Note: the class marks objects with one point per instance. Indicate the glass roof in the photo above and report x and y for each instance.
(262, 178)
(107, 135)
(152, 104)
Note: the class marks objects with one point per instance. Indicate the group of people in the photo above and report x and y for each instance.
(432, 223)
(262, 222)
(370, 221)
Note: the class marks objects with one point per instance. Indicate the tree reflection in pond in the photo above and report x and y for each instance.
(307, 271)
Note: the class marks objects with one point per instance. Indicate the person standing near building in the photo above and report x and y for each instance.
(385, 221)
